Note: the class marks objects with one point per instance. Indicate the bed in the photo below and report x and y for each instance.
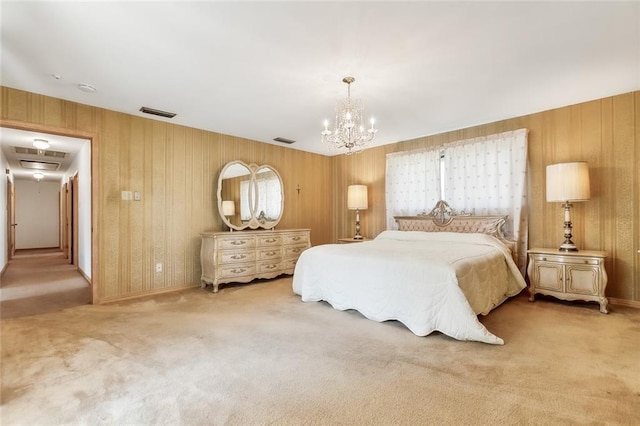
(438, 272)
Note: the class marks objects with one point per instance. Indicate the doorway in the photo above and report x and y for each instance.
(76, 243)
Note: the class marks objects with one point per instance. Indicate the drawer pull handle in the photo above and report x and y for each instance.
(238, 271)
(296, 250)
(238, 242)
(295, 238)
(271, 253)
(270, 266)
(238, 256)
(544, 259)
(271, 240)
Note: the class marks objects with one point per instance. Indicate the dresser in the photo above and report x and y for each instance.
(246, 255)
(568, 275)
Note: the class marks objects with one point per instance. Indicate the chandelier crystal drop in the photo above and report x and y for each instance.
(348, 132)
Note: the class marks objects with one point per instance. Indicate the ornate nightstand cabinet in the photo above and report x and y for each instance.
(246, 255)
(568, 275)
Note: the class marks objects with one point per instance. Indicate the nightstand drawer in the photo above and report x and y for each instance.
(567, 260)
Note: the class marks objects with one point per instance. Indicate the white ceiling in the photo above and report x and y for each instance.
(262, 70)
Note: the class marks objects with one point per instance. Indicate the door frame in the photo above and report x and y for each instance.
(93, 139)
(11, 219)
(74, 219)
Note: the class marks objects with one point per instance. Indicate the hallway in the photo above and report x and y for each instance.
(38, 281)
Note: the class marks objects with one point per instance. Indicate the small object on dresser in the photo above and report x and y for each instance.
(568, 276)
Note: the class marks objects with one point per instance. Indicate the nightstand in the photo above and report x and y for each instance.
(352, 240)
(568, 275)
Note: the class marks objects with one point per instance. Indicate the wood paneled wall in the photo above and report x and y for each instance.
(176, 170)
(604, 132)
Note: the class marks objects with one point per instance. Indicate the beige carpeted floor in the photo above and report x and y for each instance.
(41, 280)
(256, 354)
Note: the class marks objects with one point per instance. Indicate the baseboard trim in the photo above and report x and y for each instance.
(624, 302)
(85, 276)
(140, 294)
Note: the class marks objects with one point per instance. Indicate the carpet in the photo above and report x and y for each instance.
(255, 354)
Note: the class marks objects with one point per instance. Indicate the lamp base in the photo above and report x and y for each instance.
(357, 236)
(567, 247)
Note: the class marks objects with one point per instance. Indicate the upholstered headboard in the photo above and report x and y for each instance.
(442, 218)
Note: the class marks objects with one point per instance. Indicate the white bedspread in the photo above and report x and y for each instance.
(410, 276)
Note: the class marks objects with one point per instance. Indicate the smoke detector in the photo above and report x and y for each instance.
(87, 88)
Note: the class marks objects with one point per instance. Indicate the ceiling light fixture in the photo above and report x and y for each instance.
(348, 132)
(38, 176)
(41, 143)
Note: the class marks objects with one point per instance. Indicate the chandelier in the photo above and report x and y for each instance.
(348, 132)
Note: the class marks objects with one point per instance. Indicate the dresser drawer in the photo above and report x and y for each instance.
(269, 253)
(269, 240)
(294, 251)
(240, 270)
(289, 264)
(269, 267)
(238, 242)
(238, 256)
(294, 238)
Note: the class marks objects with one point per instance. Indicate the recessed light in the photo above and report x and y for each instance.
(37, 176)
(41, 144)
(87, 88)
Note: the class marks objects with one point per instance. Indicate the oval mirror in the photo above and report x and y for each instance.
(250, 196)
(269, 198)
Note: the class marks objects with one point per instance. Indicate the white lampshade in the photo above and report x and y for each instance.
(568, 182)
(357, 197)
(228, 208)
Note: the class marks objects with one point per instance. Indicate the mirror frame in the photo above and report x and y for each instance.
(254, 222)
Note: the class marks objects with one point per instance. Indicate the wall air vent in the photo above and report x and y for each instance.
(157, 112)
(34, 151)
(284, 140)
(39, 165)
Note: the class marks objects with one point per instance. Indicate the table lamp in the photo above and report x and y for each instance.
(357, 200)
(566, 183)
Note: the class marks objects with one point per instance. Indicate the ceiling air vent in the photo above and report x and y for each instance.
(284, 140)
(34, 151)
(39, 165)
(157, 112)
